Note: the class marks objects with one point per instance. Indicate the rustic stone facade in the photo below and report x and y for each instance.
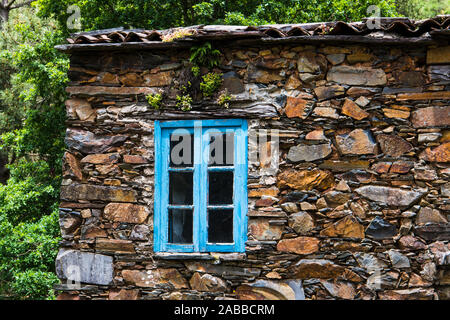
(358, 208)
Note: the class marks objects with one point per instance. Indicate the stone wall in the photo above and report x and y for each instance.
(358, 208)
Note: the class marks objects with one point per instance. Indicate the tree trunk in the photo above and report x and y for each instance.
(4, 15)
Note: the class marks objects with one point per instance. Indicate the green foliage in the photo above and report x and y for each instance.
(184, 102)
(155, 100)
(32, 128)
(195, 71)
(27, 257)
(205, 55)
(418, 9)
(210, 84)
(163, 14)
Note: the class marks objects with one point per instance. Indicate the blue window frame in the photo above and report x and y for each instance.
(200, 186)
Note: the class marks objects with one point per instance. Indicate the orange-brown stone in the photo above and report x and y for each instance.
(347, 227)
(299, 245)
(160, 79)
(115, 246)
(306, 179)
(317, 268)
(74, 165)
(131, 79)
(424, 96)
(124, 294)
(297, 108)
(133, 159)
(154, 278)
(438, 154)
(126, 212)
(351, 109)
(106, 158)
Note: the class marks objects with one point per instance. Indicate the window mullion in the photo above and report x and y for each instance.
(199, 203)
(204, 189)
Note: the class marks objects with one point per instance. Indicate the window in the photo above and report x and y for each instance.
(200, 186)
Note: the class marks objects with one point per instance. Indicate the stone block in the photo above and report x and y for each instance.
(85, 267)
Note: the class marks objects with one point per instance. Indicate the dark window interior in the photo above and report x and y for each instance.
(220, 226)
(180, 226)
(181, 185)
(220, 187)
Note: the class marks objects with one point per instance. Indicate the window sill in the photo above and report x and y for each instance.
(200, 256)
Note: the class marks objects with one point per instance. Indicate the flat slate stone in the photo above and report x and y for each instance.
(390, 196)
(272, 290)
(89, 143)
(381, 229)
(309, 152)
(357, 76)
(398, 260)
(84, 267)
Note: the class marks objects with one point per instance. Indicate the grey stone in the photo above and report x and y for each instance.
(224, 271)
(439, 73)
(398, 260)
(434, 232)
(429, 215)
(239, 64)
(140, 232)
(87, 142)
(428, 137)
(357, 76)
(390, 196)
(369, 262)
(84, 267)
(381, 229)
(388, 90)
(445, 190)
(68, 223)
(379, 281)
(274, 290)
(309, 152)
(336, 58)
(310, 62)
(170, 66)
(232, 83)
(301, 222)
(75, 192)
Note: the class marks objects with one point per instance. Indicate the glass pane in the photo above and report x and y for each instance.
(180, 226)
(180, 188)
(220, 187)
(221, 149)
(181, 149)
(220, 226)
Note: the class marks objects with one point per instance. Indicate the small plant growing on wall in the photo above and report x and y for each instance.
(155, 100)
(191, 83)
(178, 33)
(210, 84)
(205, 56)
(184, 102)
(224, 99)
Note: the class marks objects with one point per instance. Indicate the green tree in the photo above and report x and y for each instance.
(32, 131)
(162, 14)
(418, 9)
